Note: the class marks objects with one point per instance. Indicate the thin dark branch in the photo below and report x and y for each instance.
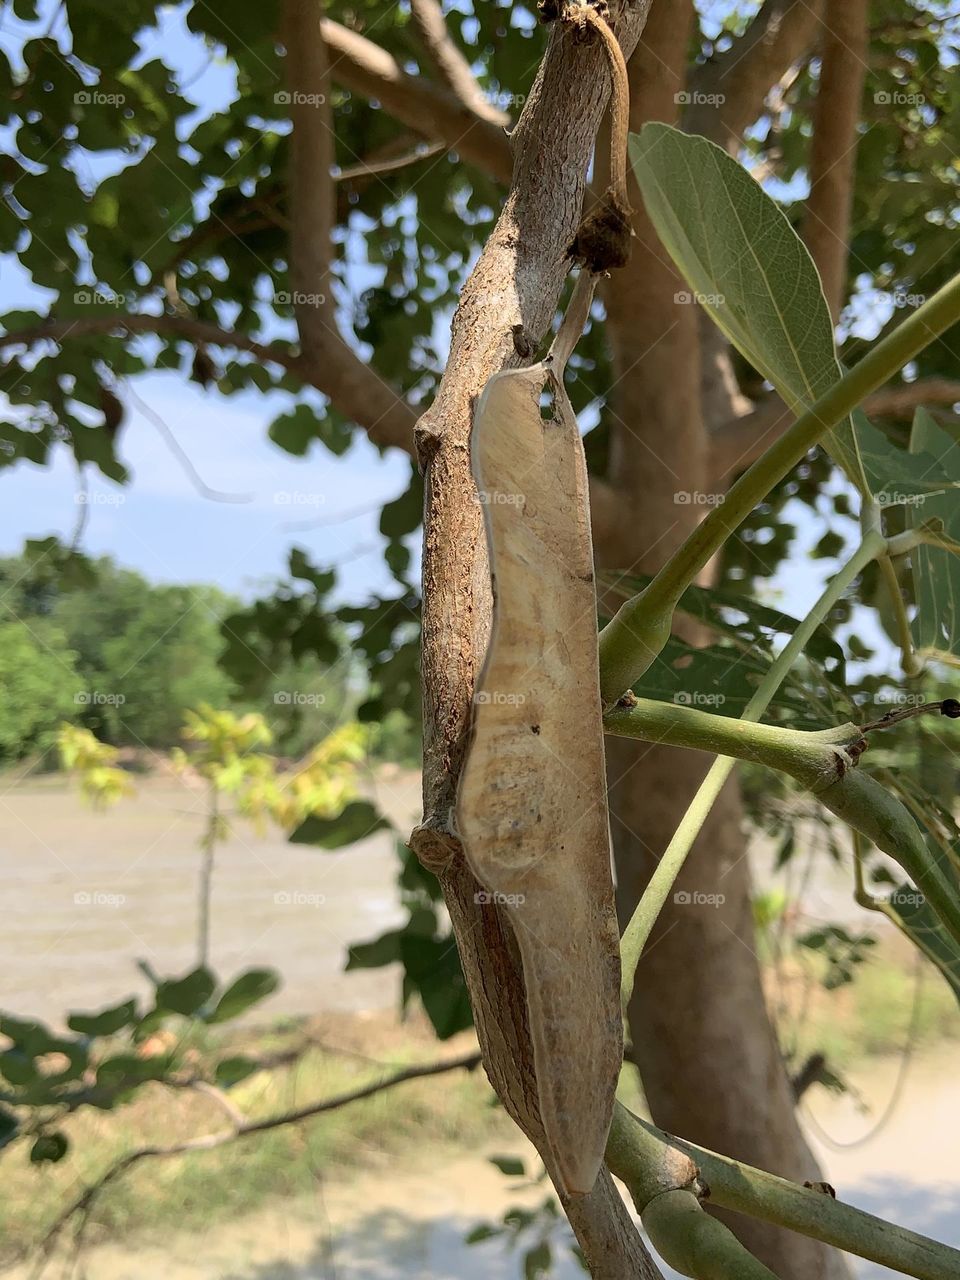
(83, 1204)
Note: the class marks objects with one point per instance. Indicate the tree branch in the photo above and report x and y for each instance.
(452, 66)
(242, 1128)
(638, 1146)
(833, 151)
(741, 441)
(356, 390)
(195, 331)
(728, 92)
(432, 111)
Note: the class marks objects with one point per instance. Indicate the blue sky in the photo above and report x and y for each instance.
(159, 523)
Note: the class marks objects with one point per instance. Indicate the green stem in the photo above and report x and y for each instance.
(695, 1243)
(910, 663)
(637, 1147)
(641, 628)
(661, 882)
(810, 757)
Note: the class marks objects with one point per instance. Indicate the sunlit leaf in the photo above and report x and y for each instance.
(746, 266)
(936, 571)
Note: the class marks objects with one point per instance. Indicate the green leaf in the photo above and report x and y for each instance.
(404, 514)
(125, 1071)
(9, 1127)
(512, 1166)
(375, 954)
(722, 678)
(249, 989)
(105, 1023)
(746, 266)
(48, 1148)
(936, 571)
(433, 971)
(188, 995)
(733, 614)
(358, 820)
(231, 1071)
(480, 1233)
(18, 1067)
(295, 431)
(537, 1261)
(899, 478)
(909, 911)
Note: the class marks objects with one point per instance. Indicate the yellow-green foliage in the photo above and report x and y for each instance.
(94, 763)
(229, 752)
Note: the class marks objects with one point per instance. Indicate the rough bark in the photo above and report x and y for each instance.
(517, 281)
(708, 1056)
(833, 152)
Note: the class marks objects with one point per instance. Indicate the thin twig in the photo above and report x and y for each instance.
(83, 1204)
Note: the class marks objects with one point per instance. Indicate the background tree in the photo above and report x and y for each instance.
(239, 267)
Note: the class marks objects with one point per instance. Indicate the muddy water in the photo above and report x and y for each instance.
(86, 894)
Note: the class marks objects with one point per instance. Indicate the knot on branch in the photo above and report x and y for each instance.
(435, 847)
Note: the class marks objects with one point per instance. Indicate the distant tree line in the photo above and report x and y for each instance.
(90, 642)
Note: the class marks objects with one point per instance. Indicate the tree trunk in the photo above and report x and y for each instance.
(707, 1053)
